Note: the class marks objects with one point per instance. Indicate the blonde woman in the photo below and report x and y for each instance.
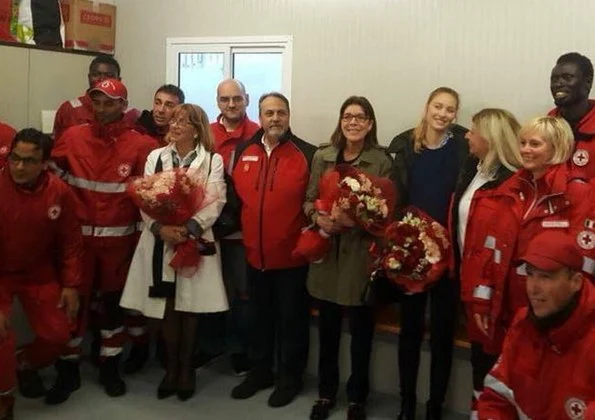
(494, 157)
(152, 287)
(426, 167)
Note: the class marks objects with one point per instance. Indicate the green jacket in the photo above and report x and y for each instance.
(342, 276)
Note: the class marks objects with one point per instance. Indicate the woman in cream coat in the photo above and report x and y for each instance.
(155, 289)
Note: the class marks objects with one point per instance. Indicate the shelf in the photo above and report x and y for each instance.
(51, 49)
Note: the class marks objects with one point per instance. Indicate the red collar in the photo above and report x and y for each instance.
(587, 124)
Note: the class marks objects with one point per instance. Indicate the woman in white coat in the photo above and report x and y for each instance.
(153, 287)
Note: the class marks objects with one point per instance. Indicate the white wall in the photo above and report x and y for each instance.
(495, 53)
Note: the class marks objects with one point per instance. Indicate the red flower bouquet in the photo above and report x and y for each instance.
(172, 198)
(413, 253)
(368, 200)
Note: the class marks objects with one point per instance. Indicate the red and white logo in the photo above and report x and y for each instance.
(586, 239)
(580, 157)
(575, 408)
(54, 212)
(3, 150)
(124, 170)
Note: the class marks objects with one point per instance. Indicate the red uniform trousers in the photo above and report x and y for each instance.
(48, 322)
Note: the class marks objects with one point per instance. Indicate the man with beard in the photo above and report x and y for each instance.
(155, 123)
(570, 84)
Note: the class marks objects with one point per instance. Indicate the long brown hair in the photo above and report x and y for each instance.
(199, 119)
(338, 138)
(419, 132)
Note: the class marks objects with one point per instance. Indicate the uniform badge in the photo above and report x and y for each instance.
(580, 157)
(124, 170)
(575, 408)
(3, 150)
(246, 167)
(590, 224)
(586, 239)
(54, 212)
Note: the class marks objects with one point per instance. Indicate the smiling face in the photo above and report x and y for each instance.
(232, 101)
(355, 124)
(551, 291)
(441, 111)
(568, 85)
(274, 117)
(181, 130)
(536, 153)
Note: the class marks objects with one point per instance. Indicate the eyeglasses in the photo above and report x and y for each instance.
(15, 159)
(181, 122)
(359, 118)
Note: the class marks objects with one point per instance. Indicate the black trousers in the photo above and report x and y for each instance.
(280, 308)
(443, 310)
(361, 327)
(481, 364)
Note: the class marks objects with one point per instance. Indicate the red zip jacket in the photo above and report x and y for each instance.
(40, 235)
(583, 159)
(98, 162)
(80, 111)
(7, 134)
(226, 142)
(272, 191)
(545, 375)
(525, 208)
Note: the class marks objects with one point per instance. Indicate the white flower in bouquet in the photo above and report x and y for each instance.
(433, 254)
(393, 263)
(352, 183)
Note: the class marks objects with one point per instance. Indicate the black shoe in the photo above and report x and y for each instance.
(30, 383)
(68, 381)
(185, 393)
(202, 359)
(284, 394)
(239, 364)
(356, 411)
(166, 389)
(109, 377)
(139, 354)
(408, 409)
(433, 411)
(254, 382)
(321, 409)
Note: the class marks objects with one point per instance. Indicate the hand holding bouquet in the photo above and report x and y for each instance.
(413, 253)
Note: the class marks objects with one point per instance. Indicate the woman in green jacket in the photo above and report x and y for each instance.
(339, 280)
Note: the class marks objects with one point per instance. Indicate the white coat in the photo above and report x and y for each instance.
(204, 291)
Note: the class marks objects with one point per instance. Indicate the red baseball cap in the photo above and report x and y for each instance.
(551, 251)
(112, 88)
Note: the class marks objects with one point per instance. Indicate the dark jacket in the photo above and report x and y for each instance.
(401, 149)
(146, 125)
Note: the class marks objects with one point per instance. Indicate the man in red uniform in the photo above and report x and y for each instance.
(547, 365)
(6, 136)
(99, 160)
(155, 123)
(80, 110)
(41, 254)
(570, 83)
(229, 330)
(271, 174)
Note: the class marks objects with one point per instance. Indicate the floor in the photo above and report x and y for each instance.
(211, 401)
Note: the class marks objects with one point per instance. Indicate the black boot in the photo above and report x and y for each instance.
(433, 411)
(408, 408)
(139, 354)
(30, 383)
(109, 377)
(68, 381)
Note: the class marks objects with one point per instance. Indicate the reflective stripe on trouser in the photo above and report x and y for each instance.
(112, 342)
(73, 349)
(136, 327)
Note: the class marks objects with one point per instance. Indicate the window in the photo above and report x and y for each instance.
(197, 65)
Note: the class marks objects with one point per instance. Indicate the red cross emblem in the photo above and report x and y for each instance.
(54, 212)
(586, 239)
(580, 157)
(575, 408)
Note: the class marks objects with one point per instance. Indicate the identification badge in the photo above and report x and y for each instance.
(555, 224)
(250, 158)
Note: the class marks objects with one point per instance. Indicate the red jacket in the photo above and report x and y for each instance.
(80, 111)
(99, 161)
(525, 208)
(40, 235)
(7, 134)
(226, 142)
(582, 161)
(545, 375)
(272, 191)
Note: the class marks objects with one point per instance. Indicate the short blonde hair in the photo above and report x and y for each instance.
(556, 132)
(501, 130)
(200, 120)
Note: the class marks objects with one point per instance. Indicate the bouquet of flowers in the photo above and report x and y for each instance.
(413, 253)
(367, 200)
(172, 198)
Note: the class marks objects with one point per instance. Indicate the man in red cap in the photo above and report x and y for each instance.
(547, 366)
(80, 110)
(41, 252)
(98, 160)
(6, 136)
